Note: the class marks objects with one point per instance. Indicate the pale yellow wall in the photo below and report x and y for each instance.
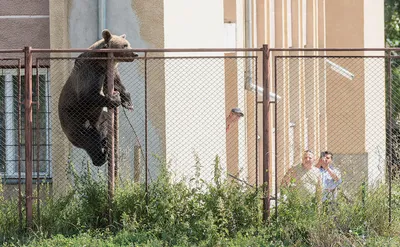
(326, 94)
(59, 33)
(339, 24)
(346, 19)
(230, 11)
(244, 72)
(231, 101)
(151, 25)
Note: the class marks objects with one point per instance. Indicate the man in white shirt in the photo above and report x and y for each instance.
(304, 177)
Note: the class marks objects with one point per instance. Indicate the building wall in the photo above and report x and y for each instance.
(195, 101)
(156, 24)
(315, 100)
(242, 139)
(75, 24)
(279, 23)
(361, 101)
(24, 23)
(375, 90)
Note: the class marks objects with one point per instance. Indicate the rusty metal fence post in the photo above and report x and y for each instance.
(146, 158)
(28, 135)
(266, 119)
(390, 131)
(116, 145)
(19, 145)
(111, 158)
(37, 138)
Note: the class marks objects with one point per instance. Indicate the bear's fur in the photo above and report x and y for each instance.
(84, 95)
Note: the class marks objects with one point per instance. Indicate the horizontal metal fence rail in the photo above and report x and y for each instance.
(170, 89)
(52, 161)
(312, 114)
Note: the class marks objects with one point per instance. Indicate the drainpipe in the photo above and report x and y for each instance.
(248, 34)
(101, 17)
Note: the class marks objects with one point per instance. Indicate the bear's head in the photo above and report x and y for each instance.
(111, 41)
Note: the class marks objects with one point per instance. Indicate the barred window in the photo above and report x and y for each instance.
(10, 145)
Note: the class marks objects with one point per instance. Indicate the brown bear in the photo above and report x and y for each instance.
(84, 95)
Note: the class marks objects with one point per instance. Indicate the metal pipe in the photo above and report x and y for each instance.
(266, 120)
(256, 136)
(101, 17)
(248, 24)
(390, 134)
(276, 138)
(203, 50)
(143, 58)
(37, 137)
(146, 158)
(329, 56)
(19, 145)
(116, 144)
(28, 135)
(248, 33)
(332, 49)
(148, 50)
(110, 143)
(11, 50)
(136, 164)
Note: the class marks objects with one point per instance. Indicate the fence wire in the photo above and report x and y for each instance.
(11, 130)
(182, 120)
(178, 121)
(335, 104)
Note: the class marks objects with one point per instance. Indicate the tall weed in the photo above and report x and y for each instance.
(217, 213)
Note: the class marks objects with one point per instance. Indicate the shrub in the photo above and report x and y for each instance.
(219, 213)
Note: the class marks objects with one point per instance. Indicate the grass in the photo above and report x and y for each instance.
(221, 213)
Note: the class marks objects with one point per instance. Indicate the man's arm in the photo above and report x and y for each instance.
(288, 177)
(333, 173)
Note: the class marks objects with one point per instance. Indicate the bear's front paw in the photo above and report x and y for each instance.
(127, 105)
(114, 100)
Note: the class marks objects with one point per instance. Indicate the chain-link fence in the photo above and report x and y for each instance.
(335, 111)
(187, 117)
(11, 130)
(176, 112)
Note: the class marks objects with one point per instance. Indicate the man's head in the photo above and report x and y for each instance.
(237, 112)
(328, 157)
(233, 117)
(308, 159)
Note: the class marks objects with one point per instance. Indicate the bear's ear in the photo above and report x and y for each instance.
(106, 35)
(123, 36)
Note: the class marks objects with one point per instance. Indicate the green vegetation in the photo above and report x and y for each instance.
(392, 22)
(392, 38)
(221, 213)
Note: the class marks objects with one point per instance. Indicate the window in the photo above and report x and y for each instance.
(11, 145)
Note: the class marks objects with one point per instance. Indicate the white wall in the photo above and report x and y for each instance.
(195, 101)
(191, 24)
(374, 90)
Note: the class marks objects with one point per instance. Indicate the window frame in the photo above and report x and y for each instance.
(10, 171)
